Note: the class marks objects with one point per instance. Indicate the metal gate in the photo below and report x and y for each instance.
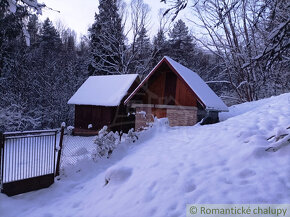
(27, 161)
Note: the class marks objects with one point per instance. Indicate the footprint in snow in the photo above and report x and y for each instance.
(260, 152)
(244, 182)
(148, 197)
(246, 173)
(189, 186)
(47, 215)
(76, 204)
(152, 186)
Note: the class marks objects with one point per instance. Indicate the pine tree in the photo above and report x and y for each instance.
(181, 44)
(107, 40)
(143, 45)
(50, 39)
(143, 53)
(10, 36)
(161, 47)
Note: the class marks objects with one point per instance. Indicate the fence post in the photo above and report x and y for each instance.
(1, 160)
(1, 141)
(59, 151)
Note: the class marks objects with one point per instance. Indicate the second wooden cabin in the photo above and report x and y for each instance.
(174, 91)
(100, 101)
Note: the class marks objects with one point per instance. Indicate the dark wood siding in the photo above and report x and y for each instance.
(165, 87)
(184, 95)
(98, 116)
(154, 93)
(170, 88)
(123, 120)
(82, 116)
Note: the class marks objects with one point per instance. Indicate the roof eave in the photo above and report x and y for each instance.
(93, 105)
(216, 109)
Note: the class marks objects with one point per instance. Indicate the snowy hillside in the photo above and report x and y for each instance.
(170, 167)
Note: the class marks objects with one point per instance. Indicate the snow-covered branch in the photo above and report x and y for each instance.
(33, 4)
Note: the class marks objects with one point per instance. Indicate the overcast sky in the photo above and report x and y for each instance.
(79, 14)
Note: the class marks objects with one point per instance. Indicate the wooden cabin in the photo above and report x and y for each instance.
(171, 90)
(99, 102)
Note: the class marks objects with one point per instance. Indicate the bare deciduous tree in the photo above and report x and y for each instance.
(251, 38)
(139, 19)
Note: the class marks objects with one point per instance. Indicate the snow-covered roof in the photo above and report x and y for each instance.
(195, 82)
(105, 90)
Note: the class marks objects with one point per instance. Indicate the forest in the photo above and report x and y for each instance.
(241, 50)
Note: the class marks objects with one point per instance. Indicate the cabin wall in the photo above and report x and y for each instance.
(154, 93)
(116, 118)
(98, 116)
(177, 115)
(184, 95)
(164, 87)
(159, 112)
(182, 117)
(123, 119)
(143, 117)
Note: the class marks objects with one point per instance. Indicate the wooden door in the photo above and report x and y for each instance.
(159, 112)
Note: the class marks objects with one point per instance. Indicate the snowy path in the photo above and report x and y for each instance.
(170, 167)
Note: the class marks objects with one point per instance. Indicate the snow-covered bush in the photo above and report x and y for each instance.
(70, 130)
(131, 137)
(161, 122)
(106, 142)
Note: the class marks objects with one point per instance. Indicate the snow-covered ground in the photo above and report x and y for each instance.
(171, 167)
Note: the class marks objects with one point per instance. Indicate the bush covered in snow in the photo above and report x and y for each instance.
(106, 142)
(69, 130)
(131, 137)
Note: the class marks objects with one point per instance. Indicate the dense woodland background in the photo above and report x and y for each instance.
(241, 49)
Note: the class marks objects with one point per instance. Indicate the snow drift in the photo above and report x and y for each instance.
(168, 168)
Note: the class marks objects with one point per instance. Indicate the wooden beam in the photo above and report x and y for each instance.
(134, 105)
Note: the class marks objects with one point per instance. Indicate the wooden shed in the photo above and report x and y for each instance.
(171, 90)
(99, 102)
